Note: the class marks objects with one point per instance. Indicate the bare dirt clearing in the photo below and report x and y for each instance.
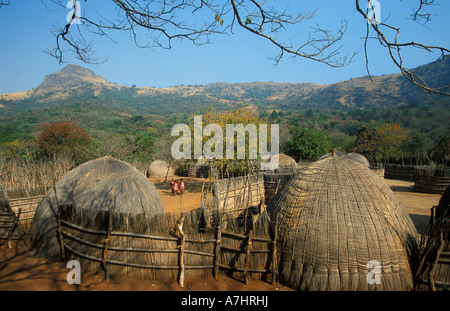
(20, 271)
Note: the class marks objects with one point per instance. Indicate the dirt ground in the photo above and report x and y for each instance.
(20, 271)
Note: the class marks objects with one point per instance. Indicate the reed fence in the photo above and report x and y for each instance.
(177, 255)
(16, 216)
(428, 179)
(397, 171)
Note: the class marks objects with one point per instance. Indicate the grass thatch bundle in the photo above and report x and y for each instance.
(334, 218)
(160, 168)
(87, 193)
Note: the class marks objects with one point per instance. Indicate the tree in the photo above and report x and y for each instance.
(157, 23)
(382, 142)
(307, 144)
(441, 150)
(144, 142)
(418, 148)
(62, 137)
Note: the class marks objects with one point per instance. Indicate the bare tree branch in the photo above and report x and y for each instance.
(4, 2)
(395, 48)
(157, 23)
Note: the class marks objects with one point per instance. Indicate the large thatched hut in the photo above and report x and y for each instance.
(337, 221)
(88, 194)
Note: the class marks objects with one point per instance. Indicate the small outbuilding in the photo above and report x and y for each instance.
(160, 168)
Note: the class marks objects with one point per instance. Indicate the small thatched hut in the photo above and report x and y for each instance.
(358, 158)
(160, 168)
(90, 191)
(336, 218)
(283, 161)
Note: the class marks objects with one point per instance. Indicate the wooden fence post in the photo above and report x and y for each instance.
(13, 227)
(274, 253)
(217, 251)
(248, 254)
(434, 265)
(181, 251)
(105, 248)
(58, 229)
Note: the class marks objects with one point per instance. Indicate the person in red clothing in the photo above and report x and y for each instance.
(175, 188)
(181, 185)
(172, 182)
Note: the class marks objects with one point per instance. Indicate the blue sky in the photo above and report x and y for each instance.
(25, 33)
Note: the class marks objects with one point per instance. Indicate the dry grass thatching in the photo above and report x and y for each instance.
(336, 216)
(160, 168)
(100, 185)
(353, 156)
(283, 161)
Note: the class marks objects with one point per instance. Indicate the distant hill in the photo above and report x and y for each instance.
(76, 86)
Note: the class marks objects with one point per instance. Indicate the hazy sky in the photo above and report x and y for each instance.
(25, 32)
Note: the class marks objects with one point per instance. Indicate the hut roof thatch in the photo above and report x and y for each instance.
(283, 161)
(334, 218)
(353, 156)
(358, 158)
(160, 168)
(93, 188)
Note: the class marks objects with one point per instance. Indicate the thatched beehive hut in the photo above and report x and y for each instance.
(358, 158)
(160, 168)
(89, 192)
(334, 219)
(284, 161)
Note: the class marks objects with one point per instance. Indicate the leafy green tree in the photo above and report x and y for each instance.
(418, 148)
(441, 150)
(307, 144)
(382, 142)
(144, 143)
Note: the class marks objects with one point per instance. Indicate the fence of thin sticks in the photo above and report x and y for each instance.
(184, 252)
(429, 179)
(397, 171)
(9, 223)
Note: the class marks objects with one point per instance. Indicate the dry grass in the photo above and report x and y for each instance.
(20, 178)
